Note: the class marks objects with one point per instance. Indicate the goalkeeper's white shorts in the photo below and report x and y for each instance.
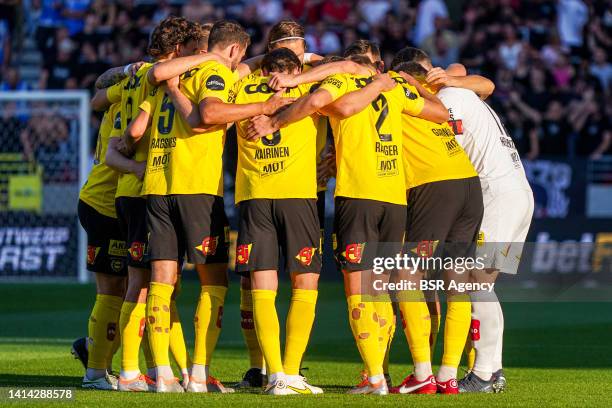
(504, 228)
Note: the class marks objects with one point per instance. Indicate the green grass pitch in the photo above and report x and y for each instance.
(556, 354)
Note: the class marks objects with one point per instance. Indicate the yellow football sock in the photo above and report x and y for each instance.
(146, 350)
(115, 347)
(132, 324)
(365, 327)
(388, 348)
(470, 353)
(248, 329)
(456, 328)
(299, 324)
(103, 328)
(415, 318)
(435, 329)
(208, 323)
(267, 328)
(177, 340)
(158, 321)
(384, 313)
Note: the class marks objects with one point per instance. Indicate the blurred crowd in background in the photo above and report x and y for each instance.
(549, 59)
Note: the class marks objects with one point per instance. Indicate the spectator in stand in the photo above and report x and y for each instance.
(50, 19)
(12, 81)
(335, 11)
(572, 17)
(296, 9)
(442, 45)
(73, 14)
(5, 45)
(374, 11)
(510, 49)
(11, 127)
(602, 70)
(90, 67)
(269, 11)
(427, 13)
(555, 131)
(59, 69)
(323, 41)
(197, 10)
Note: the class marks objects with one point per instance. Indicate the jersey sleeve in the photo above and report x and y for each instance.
(412, 102)
(215, 83)
(148, 104)
(115, 113)
(113, 93)
(336, 85)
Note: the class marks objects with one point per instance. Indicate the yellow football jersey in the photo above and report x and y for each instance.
(321, 128)
(369, 143)
(181, 161)
(134, 91)
(99, 189)
(431, 152)
(280, 165)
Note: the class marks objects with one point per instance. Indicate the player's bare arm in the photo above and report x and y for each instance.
(214, 111)
(433, 109)
(117, 161)
(113, 75)
(307, 105)
(100, 102)
(171, 68)
(249, 65)
(319, 73)
(136, 129)
(186, 109)
(482, 86)
(356, 101)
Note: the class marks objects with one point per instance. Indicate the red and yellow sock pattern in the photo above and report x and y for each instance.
(132, 325)
(365, 326)
(158, 321)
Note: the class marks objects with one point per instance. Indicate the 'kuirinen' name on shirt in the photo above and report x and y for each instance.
(271, 153)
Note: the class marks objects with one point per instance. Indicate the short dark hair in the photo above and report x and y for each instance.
(170, 32)
(331, 58)
(284, 29)
(412, 68)
(280, 60)
(362, 60)
(409, 54)
(362, 47)
(225, 33)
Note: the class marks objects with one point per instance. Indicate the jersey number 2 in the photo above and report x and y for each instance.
(380, 105)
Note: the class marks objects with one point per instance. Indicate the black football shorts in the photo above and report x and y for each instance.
(192, 224)
(444, 218)
(365, 229)
(106, 249)
(268, 227)
(132, 215)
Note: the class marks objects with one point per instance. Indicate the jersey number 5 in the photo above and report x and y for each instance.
(164, 124)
